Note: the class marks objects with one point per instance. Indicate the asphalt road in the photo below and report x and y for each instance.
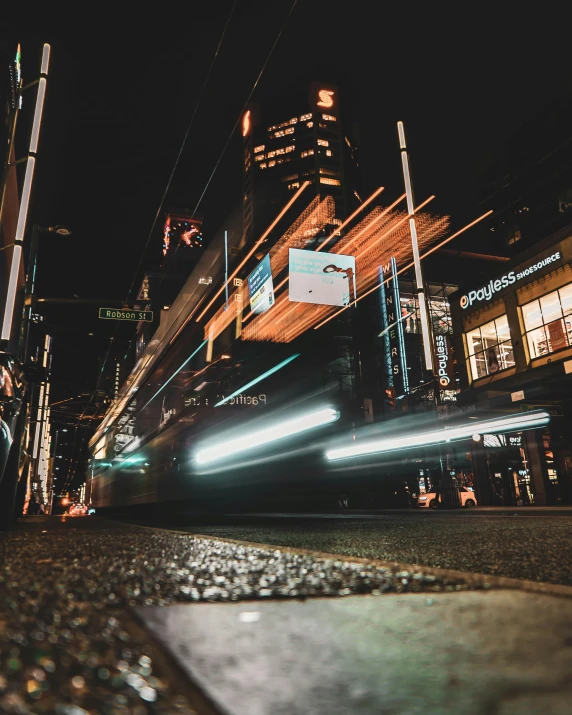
(536, 547)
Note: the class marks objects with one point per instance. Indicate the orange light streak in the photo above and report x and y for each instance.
(350, 218)
(253, 249)
(375, 220)
(409, 265)
(393, 228)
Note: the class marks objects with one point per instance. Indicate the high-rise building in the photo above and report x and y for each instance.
(288, 143)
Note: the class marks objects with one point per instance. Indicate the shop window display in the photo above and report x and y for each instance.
(548, 322)
(490, 348)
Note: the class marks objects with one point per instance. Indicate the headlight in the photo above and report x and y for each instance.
(422, 498)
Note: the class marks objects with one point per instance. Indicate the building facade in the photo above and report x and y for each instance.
(285, 146)
(514, 342)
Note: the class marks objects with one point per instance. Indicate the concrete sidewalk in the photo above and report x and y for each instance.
(474, 653)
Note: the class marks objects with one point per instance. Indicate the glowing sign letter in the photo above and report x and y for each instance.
(326, 98)
(246, 122)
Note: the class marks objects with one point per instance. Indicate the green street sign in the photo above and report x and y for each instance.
(123, 314)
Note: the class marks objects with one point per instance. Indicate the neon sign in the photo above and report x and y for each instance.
(246, 123)
(494, 286)
(326, 98)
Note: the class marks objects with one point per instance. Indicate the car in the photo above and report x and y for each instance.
(77, 510)
(468, 499)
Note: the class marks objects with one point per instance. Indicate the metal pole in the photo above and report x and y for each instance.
(25, 200)
(226, 267)
(9, 164)
(423, 310)
(30, 288)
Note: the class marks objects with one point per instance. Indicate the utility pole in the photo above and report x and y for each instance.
(449, 492)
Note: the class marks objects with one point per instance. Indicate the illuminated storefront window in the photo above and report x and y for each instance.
(548, 322)
(490, 348)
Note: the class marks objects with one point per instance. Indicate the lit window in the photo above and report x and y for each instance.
(260, 157)
(294, 185)
(263, 165)
(290, 130)
(309, 152)
(329, 172)
(310, 125)
(304, 117)
(258, 148)
(290, 177)
(490, 348)
(289, 148)
(330, 182)
(328, 117)
(323, 142)
(329, 152)
(271, 154)
(279, 134)
(271, 163)
(548, 322)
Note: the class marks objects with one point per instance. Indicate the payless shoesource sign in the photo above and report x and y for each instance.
(487, 292)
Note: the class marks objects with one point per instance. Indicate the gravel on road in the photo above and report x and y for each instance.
(66, 589)
(533, 548)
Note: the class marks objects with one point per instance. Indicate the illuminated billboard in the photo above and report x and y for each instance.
(321, 278)
(260, 287)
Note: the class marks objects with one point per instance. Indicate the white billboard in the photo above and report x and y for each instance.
(321, 278)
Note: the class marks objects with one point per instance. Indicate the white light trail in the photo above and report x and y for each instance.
(512, 423)
(309, 421)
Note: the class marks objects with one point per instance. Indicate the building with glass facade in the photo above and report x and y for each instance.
(514, 346)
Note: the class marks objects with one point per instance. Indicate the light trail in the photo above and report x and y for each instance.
(350, 218)
(401, 270)
(526, 420)
(288, 428)
(253, 249)
(259, 379)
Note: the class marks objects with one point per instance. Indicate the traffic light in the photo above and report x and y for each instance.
(390, 398)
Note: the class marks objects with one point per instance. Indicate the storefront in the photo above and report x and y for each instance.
(513, 342)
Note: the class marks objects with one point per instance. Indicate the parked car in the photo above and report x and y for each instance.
(430, 499)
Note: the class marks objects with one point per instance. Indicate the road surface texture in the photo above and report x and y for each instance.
(535, 547)
(68, 588)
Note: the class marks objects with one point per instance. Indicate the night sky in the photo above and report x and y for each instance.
(119, 103)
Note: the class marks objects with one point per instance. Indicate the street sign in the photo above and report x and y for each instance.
(123, 314)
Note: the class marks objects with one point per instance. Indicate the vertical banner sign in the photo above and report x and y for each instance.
(260, 287)
(399, 319)
(393, 315)
(384, 329)
(444, 362)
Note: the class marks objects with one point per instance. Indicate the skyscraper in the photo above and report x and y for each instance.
(302, 139)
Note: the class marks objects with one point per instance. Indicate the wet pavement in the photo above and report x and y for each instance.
(535, 547)
(68, 643)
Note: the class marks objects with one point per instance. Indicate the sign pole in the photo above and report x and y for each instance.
(226, 268)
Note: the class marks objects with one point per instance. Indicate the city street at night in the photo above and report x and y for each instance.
(286, 362)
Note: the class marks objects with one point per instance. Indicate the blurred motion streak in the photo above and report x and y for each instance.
(510, 423)
(291, 427)
(258, 379)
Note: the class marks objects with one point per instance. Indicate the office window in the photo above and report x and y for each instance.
(328, 117)
(490, 348)
(330, 182)
(290, 130)
(548, 322)
(271, 154)
(294, 185)
(263, 165)
(258, 148)
(323, 142)
(309, 124)
(329, 152)
(309, 152)
(305, 117)
(259, 157)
